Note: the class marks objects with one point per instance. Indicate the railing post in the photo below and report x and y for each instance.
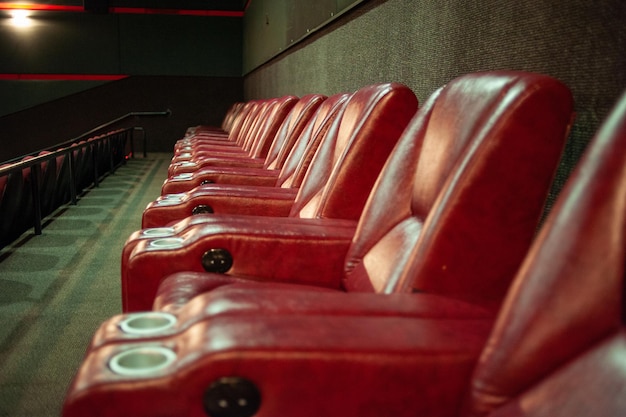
(110, 150)
(72, 173)
(94, 154)
(132, 142)
(35, 178)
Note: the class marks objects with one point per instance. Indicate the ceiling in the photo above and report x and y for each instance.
(223, 7)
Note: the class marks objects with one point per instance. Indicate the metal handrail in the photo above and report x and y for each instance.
(67, 148)
(165, 113)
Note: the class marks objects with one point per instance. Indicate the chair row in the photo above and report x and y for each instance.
(430, 296)
(36, 185)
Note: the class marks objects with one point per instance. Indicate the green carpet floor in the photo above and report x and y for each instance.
(57, 288)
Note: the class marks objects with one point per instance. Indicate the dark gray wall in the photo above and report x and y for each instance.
(190, 64)
(273, 26)
(425, 43)
(192, 101)
(127, 44)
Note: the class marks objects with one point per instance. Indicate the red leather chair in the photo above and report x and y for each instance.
(255, 148)
(348, 147)
(243, 137)
(230, 118)
(559, 345)
(194, 138)
(276, 174)
(483, 135)
(557, 349)
(284, 139)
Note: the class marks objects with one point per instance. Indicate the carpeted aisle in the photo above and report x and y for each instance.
(57, 288)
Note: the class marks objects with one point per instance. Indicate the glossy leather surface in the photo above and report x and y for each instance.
(231, 296)
(369, 366)
(563, 320)
(460, 159)
(379, 356)
(558, 348)
(257, 144)
(249, 199)
(307, 251)
(287, 164)
(496, 138)
(289, 131)
(336, 184)
(353, 141)
(197, 135)
(390, 233)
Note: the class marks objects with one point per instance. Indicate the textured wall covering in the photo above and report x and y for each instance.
(425, 43)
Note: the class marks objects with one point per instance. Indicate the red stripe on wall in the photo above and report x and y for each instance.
(38, 6)
(62, 77)
(121, 10)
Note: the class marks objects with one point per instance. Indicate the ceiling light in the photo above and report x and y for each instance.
(20, 18)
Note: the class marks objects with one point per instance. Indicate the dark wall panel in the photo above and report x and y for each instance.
(85, 43)
(180, 45)
(192, 100)
(63, 43)
(135, 44)
(20, 95)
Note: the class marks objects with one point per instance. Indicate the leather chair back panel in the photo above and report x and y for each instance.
(347, 163)
(592, 385)
(292, 127)
(257, 144)
(490, 143)
(245, 136)
(299, 159)
(569, 292)
(286, 162)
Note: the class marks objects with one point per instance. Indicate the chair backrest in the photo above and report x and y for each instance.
(297, 162)
(458, 203)
(291, 129)
(347, 163)
(255, 126)
(238, 124)
(560, 335)
(256, 135)
(231, 116)
(272, 122)
(245, 125)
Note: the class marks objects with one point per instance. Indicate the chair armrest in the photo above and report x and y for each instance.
(245, 298)
(216, 198)
(221, 175)
(306, 366)
(306, 251)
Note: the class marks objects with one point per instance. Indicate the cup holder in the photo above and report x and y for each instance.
(167, 243)
(158, 231)
(147, 323)
(183, 176)
(171, 201)
(177, 197)
(141, 361)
